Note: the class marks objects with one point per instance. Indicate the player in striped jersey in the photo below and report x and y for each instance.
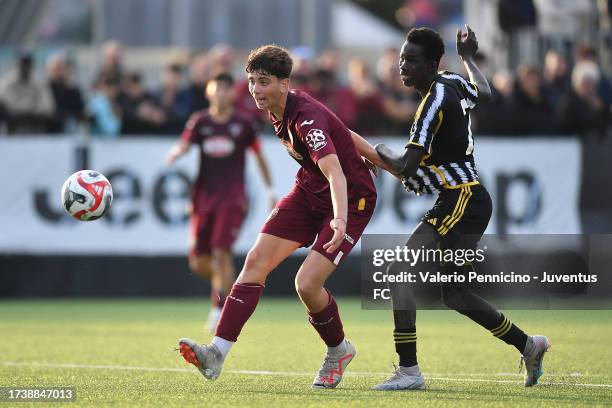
(439, 159)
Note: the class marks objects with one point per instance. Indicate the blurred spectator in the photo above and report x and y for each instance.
(556, 77)
(303, 69)
(193, 98)
(69, 104)
(167, 99)
(140, 114)
(103, 108)
(586, 52)
(28, 104)
(494, 117)
(222, 58)
(365, 100)
(582, 109)
(329, 62)
(416, 13)
(112, 61)
(530, 109)
(400, 102)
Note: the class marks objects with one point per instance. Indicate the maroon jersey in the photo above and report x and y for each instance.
(310, 131)
(223, 149)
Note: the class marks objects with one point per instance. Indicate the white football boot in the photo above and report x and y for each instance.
(533, 356)
(403, 378)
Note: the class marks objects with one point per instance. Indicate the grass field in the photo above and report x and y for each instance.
(120, 353)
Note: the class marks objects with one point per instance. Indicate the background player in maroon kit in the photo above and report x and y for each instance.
(330, 204)
(219, 198)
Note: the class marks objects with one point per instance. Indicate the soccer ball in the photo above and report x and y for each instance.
(87, 195)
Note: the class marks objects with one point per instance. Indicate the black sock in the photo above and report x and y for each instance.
(405, 346)
(510, 333)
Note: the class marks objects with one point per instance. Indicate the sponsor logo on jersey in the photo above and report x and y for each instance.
(307, 122)
(316, 139)
(218, 146)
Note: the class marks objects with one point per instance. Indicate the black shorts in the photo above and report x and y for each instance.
(460, 216)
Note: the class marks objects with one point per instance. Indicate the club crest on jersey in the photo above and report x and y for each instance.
(316, 139)
(206, 130)
(235, 129)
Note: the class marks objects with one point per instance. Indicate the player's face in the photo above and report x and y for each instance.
(414, 68)
(267, 90)
(220, 93)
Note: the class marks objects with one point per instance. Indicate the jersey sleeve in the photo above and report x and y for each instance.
(252, 141)
(470, 90)
(428, 119)
(190, 133)
(314, 131)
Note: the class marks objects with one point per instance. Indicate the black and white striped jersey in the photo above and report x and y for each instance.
(441, 128)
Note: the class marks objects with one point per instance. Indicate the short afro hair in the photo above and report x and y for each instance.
(433, 46)
(270, 59)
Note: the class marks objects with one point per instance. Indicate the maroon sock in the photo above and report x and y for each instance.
(327, 322)
(239, 306)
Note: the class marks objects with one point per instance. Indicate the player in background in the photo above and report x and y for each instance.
(219, 198)
(330, 204)
(438, 159)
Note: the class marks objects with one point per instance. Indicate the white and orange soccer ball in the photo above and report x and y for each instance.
(87, 195)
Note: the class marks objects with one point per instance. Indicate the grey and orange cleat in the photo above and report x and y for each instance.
(403, 378)
(207, 359)
(533, 356)
(333, 367)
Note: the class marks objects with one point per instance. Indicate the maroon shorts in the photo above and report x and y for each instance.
(304, 218)
(215, 229)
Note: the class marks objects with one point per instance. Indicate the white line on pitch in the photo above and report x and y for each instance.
(438, 377)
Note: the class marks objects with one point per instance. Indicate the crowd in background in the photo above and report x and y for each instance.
(568, 94)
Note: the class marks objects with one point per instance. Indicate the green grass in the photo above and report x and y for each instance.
(463, 364)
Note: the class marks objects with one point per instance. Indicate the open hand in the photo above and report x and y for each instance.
(339, 227)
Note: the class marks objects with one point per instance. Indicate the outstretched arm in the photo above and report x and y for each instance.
(180, 148)
(467, 45)
(406, 164)
(366, 150)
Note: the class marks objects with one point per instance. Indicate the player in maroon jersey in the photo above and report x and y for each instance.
(219, 199)
(329, 206)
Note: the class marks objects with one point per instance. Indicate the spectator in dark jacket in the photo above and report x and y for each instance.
(582, 109)
(69, 104)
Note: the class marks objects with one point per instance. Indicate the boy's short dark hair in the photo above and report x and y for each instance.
(270, 59)
(225, 78)
(433, 46)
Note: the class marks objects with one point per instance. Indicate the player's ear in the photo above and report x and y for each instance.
(284, 85)
(434, 67)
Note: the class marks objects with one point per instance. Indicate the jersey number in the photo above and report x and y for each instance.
(466, 105)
